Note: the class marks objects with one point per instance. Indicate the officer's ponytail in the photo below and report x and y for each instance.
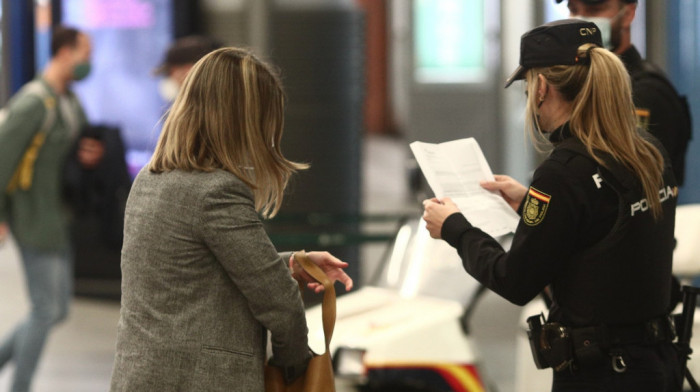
(604, 119)
(603, 115)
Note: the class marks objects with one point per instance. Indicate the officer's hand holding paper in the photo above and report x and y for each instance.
(454, 169)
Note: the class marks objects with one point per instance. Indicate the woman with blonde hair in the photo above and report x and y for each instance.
(201, 282)
(596, 222)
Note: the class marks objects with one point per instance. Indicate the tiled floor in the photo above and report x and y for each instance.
(79, 354)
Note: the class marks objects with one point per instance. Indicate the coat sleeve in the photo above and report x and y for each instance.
(24, 118)
(232, 230)
(540, 249)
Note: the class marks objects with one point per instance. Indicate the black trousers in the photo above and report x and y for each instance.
(653, 368)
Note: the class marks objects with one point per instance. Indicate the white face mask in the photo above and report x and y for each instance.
(605, 27)
(168, 89)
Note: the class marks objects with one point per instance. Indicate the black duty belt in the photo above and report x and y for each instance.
(650, 332)
(560, 347)
(595, 345)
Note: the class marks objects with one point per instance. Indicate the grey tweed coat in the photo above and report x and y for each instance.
(201, 283)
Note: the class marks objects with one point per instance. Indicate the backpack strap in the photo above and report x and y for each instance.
(22, 177)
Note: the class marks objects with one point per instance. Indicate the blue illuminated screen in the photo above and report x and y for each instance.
(129, 38)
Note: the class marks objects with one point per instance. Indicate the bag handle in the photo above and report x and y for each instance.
(328, 305)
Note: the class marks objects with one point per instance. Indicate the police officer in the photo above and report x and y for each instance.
(596, 222)
(659, 107)
(179, 60)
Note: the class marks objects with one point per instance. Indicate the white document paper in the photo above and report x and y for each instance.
(454, 169)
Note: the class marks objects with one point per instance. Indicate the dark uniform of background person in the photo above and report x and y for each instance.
(659, 107)
(585, 228)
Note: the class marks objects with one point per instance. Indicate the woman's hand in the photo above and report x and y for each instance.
(512, 191)
(331, 266)
(436, 211)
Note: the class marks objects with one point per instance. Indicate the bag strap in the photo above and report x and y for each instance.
(38, 89)
(22, 177)
(49, 103)
(328, 306)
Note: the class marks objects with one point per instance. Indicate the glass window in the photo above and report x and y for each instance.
(42, 37)
(449, 41)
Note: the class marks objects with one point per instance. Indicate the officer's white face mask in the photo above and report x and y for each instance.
(168, 89)
(605, 26)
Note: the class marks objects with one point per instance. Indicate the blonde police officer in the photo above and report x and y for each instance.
(607, 262)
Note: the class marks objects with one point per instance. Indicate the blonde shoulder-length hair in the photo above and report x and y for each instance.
(229, 115)
(603, 115)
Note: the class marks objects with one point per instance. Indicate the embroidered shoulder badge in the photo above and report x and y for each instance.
(535, 208)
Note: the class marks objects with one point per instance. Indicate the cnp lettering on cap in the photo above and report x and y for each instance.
(586, 31)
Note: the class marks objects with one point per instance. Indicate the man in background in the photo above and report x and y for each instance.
(659, 107)
(43, 121)
(178, 61)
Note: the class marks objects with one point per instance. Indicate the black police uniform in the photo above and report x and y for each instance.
(660, 109)
(587, 231)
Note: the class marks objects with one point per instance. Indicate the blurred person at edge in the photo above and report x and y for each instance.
(201, 281)
(179, 59)
(660, 109)
(596, 222)
(36, 215)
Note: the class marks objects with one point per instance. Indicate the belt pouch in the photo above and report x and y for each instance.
(556, 346)
(534, 335)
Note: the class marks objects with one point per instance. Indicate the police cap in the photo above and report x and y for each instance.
(554, 43)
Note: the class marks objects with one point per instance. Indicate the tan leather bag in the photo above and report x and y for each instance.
(319, 374)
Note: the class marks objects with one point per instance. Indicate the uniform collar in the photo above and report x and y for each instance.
(561, 134)
(632, 59)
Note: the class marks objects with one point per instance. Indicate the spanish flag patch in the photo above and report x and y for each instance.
(536, 203)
